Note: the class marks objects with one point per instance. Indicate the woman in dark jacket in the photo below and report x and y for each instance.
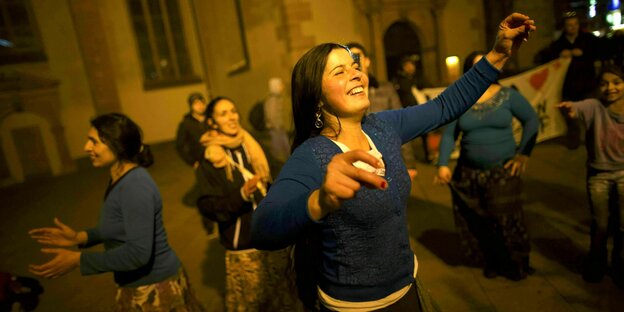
(233, 177)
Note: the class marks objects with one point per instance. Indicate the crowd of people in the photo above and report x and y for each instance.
(330, 232)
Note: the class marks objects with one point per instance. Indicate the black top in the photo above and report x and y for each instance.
(221, 200)
(188, 146)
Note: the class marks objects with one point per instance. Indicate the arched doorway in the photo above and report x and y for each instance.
(402, 39)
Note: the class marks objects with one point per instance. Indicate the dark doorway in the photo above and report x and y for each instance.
(399, 40)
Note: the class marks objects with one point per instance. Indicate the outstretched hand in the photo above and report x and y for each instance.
(567, 109)
(61, 235)
(63, 262)
(342, 181)
(512, 31)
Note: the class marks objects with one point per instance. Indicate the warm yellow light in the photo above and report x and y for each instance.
(452, 68)
(452, 60)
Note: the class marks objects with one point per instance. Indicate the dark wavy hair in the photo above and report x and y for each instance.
(307, 91)
(612, 69)
(124, 138)
(211, 106)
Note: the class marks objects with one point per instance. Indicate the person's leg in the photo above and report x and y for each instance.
(598, 188)
(617, 253)
(505, 203)
(473, 227)
(243, 285)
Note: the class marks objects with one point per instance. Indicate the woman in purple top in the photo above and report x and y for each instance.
(148, 272)
(604, 120)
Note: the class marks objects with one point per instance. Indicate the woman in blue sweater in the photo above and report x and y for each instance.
(148, 272)
(364, 261)
(486, 187)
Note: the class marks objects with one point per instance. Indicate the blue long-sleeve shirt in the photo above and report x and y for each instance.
(132, 231)
(365, 251)
(487, 134)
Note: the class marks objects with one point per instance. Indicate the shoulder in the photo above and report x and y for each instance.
(513, 93)
(138, 179)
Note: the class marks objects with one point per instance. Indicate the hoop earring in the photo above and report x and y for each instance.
(318, 123)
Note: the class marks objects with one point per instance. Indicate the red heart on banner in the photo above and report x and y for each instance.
(537, 80)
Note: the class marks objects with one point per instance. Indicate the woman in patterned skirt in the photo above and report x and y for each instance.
(486, 186)
(233, 177)
(148, 272)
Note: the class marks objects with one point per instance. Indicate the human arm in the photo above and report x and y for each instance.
(136, 201)
(568, 109)
(585, 110)
(512, 31)
(524, 112)
(342, 181)
(295, 201)
(61, 235)
(447, 144)
(221, 199)
(463, 93)
(63, 262)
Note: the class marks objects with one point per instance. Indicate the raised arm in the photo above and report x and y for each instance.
(461, 95)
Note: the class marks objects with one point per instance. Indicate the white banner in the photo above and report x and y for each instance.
(541, 86)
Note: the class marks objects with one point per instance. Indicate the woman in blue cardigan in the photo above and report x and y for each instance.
(148, 272)
(364, 261)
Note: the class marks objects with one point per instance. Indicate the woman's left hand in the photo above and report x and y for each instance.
(517, 164)
(511, 33)
(63, 262)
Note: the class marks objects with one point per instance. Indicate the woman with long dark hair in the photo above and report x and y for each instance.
(148, 272)
(233, 177)
(363, 259)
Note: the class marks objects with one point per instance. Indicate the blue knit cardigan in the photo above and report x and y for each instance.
(364, 246)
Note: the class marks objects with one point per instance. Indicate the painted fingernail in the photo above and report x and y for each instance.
(383, 185)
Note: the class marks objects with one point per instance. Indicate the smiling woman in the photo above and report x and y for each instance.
(233, 177)
(130, 227)
(360, 251)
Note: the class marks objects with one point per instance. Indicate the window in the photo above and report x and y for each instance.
(162, 46)
(19, 36)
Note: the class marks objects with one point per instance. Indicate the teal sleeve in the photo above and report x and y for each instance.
(282, 216)
(524, 112)
(447, 143)
(138, 203)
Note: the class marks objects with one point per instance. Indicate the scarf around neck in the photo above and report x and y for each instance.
(216, 142)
